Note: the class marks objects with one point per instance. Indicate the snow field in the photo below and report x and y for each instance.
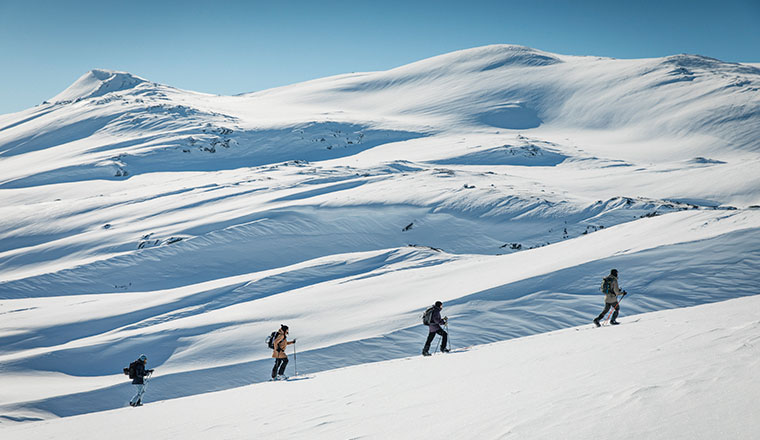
(670, 374)
(361, 307)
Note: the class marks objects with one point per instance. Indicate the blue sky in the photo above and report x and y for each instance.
(230, 47)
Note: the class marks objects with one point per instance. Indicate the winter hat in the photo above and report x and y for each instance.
(284, 327)
(438, 304)
(613, 272)
(143, 358)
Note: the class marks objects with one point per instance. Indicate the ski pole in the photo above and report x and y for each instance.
(295, 358)
(614, 308)
(436, 344)
(449, 334)
(607, 318)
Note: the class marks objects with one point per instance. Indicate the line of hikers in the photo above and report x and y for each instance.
(432, 317)
(278, 341)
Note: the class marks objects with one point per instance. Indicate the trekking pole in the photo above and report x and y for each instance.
(607, 318)
(449, 334)
(436, 344)
(613, 309)
(295, 358)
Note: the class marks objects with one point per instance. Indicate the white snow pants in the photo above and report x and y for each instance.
(140, 391)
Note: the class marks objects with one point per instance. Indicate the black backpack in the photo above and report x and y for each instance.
(270, 340)
(131, 370)
(428, 315)
(606, 285)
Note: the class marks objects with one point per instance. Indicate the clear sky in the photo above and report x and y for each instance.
(231, 47)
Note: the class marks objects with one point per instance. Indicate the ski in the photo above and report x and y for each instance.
(292, 378)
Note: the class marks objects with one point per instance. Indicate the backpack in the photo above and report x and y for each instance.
(270, 340)
(606, 285)
(131, 370)
(428, 315)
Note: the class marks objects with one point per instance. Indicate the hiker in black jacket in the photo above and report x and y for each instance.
(139, 379)
(435, 329)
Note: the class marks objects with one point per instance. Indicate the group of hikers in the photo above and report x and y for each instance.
(432, 318)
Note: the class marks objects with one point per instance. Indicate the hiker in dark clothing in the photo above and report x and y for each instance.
(435, 329)
(611, 291)
(281, 359)
(139, 379)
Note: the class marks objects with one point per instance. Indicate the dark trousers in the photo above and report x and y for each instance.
(280, 363)
(607, 309)
(431, 336)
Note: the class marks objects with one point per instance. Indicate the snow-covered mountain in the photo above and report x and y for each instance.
(502, 180)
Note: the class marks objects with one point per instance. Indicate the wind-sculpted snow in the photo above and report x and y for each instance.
(524, 154)
(319, 212)
(210, 328)
(709, 65)
(670, 372)
(513, 116)
(98, 82)
(156, 138)
(503, 181)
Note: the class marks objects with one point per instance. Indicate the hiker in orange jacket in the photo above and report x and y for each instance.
(281, 359)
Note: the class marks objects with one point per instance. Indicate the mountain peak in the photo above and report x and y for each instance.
(98, 82)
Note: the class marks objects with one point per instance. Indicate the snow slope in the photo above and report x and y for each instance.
(686, 373)
(503, 180)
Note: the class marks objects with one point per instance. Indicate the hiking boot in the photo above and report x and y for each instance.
(614, 323)
(426, 353)
(445, 350)
(596, 321)
(282, 377)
